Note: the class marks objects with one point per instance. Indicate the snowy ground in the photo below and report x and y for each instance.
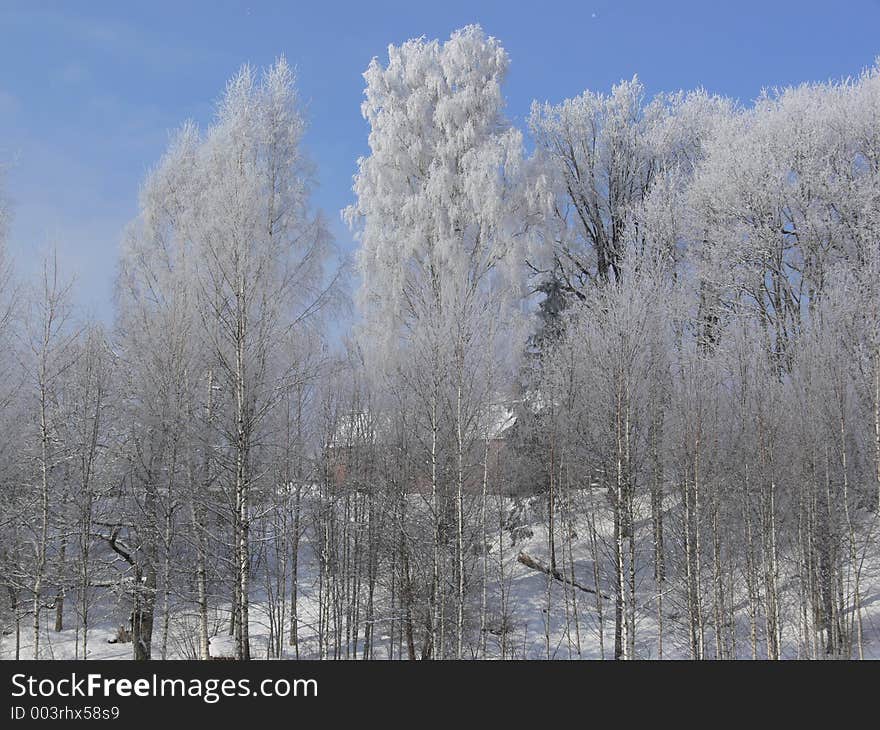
(542, 626)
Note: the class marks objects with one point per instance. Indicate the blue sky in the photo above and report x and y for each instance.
(90, 90)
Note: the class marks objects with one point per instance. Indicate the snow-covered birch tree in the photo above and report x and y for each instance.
(435, 213)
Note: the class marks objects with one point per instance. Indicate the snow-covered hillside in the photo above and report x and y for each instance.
(546, 617)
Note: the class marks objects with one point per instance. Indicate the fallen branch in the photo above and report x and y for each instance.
(536, 564)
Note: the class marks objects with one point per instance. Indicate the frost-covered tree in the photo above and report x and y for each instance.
(599, 159)
(437, 203)
(225, 262)
(787, 190)
(47, 353)
(606, 377)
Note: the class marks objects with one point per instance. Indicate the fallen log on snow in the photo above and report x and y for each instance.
(536, 564)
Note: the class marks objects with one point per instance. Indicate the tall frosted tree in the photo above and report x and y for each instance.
(787, 191)
(230, 252)
(436, 203)
(611, 172)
